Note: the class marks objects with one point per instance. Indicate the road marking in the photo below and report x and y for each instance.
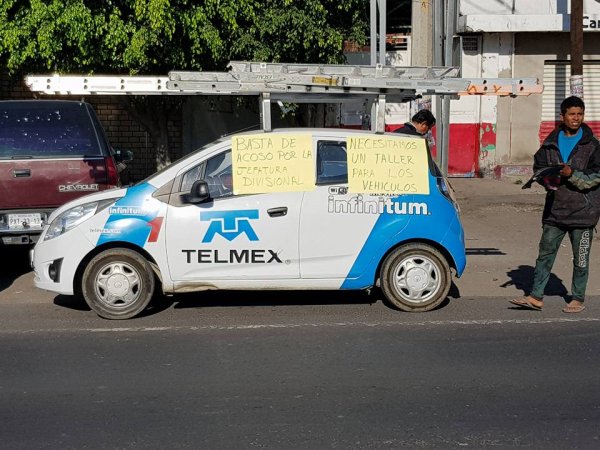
(303, 325)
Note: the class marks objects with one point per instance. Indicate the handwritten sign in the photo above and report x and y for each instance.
(272, 163)
(387, 165)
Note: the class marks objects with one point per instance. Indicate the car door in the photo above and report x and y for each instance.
(335, 225)
(232, 237)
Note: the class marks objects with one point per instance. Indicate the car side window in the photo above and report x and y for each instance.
(190, 176)
(219, 176)
(216, 172)
(332, 165)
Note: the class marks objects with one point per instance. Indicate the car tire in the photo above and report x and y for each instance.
(415, 278)
(118, 284)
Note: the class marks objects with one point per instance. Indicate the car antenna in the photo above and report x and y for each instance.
(251, 127)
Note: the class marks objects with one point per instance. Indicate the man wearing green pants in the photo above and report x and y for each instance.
(572, 203)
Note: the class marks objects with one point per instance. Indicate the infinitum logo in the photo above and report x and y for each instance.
(380, 205)
(229, 224)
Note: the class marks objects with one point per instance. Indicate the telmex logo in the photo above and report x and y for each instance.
(229, 224)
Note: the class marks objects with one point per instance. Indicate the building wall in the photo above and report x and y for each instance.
(522, 7)
(480, 125)
(504, 130)
(510, 7)
(517, 38)
(531, 50)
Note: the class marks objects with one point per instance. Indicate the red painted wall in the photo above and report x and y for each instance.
(547, 127)
(464, 147)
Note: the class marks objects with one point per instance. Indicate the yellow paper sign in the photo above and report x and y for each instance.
(272, 163)
(387, 165)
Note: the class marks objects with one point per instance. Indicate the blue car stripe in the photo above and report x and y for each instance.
(130, 216)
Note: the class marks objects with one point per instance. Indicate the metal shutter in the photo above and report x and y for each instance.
(556, 89)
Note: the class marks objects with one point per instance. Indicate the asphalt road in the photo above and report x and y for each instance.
(295, 370)
(314, 369)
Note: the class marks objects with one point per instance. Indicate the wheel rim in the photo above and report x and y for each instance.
(417, 279)
(118, 285)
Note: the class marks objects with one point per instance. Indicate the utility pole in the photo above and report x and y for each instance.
(576, 33)
(449, 30)
(382, 30)
(378, 107)
(424, 53)
(373, 31)
(421, 35)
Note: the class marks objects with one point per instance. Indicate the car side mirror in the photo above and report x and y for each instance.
(199, 192)
(123, 156)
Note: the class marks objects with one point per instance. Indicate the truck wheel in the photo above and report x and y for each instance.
(415, 277)
(118, 284)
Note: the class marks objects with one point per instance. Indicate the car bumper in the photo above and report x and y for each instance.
(55, 262)
(454, 242)
(19, 238)
(22, 234)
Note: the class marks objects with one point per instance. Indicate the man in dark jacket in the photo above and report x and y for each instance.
(420, 124)
(572, 203)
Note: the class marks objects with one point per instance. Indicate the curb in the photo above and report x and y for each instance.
(512, 171)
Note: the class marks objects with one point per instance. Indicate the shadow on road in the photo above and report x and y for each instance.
(260, 298)
(236, 299)
(71, 302)
(77, 303)
(486, 251)
(454, 292)
(224, 299)
(14, 262)
(208, 299)
(522, 278)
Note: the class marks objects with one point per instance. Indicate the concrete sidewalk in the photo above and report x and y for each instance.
(502, 227)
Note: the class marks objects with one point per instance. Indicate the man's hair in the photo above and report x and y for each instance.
(571, 102)
(424, 116)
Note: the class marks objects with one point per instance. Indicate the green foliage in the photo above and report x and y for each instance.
(155, 36)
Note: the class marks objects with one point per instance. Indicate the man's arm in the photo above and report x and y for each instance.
(590, 176)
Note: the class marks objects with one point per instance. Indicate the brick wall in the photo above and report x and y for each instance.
(123, 131)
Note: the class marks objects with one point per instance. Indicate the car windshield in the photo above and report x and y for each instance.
(46, 130)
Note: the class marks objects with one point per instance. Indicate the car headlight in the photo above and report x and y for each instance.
(70, 219)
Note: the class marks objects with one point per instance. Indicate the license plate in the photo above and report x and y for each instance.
(24, 221)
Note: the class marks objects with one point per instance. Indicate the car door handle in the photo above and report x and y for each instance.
(18, 173)
(277, 212)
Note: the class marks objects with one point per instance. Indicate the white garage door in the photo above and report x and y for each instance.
(557, 88)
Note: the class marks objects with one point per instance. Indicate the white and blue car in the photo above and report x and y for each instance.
(245, 213)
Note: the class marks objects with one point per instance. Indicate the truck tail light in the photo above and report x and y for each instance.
(112, 174)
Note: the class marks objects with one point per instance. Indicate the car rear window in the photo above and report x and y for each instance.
(40, 129)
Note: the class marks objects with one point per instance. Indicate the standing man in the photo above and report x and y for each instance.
(420, 124)
(572, 203)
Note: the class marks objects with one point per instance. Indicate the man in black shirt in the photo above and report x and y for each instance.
(420, 124)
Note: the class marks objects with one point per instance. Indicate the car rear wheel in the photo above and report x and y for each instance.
(118, 284)
(415, 277)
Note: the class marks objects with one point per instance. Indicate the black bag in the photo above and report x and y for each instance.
(538, 176)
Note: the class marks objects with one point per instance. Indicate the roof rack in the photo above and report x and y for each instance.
(296, 83)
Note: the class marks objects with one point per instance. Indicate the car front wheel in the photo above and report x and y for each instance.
(118, 284)
(415, 277)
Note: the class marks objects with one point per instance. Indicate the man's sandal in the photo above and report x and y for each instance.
(525, 302)
(573, 308)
